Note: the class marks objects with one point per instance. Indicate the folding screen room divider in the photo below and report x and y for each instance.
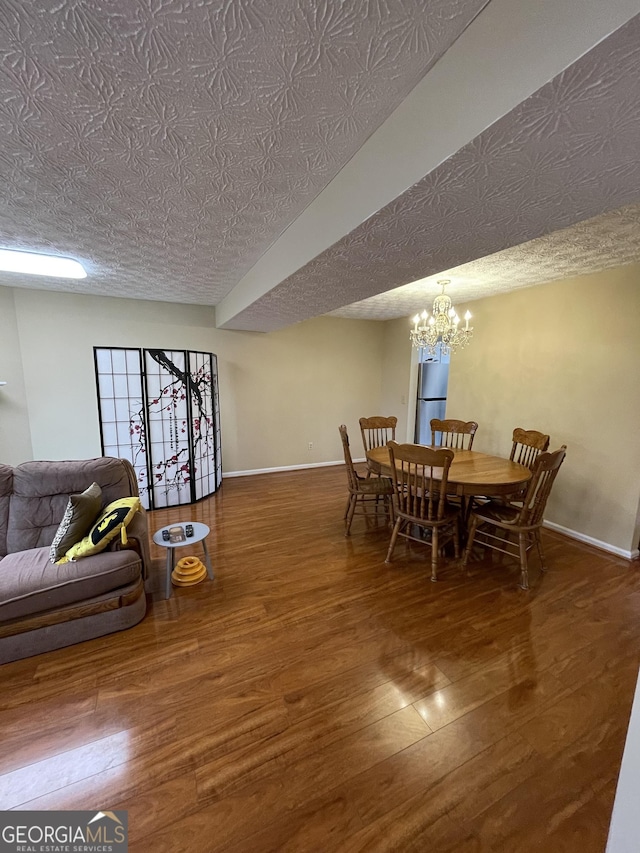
(160, 409)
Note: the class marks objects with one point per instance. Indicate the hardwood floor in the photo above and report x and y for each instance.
(312, 698)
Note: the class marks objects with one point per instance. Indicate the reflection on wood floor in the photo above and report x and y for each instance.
(312, 698)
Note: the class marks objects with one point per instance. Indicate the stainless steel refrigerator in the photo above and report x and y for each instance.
(433, 378)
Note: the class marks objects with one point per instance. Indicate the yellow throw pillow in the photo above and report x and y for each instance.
(111, 520)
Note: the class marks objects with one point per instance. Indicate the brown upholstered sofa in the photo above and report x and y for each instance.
(46, 606)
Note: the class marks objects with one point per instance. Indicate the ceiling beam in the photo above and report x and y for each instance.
(506, 54)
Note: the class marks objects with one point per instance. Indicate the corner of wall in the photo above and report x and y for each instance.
(15, 433)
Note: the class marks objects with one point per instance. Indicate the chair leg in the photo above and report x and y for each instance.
(538, 541)
(352, 509)
(434, 554)
(346, 509)
(388, 511)
(394, 536)
(524, 576)
(466, 505)
(456, 538)
(470, 537)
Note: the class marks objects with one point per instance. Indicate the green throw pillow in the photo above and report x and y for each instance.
(82, 510)
(111, 521)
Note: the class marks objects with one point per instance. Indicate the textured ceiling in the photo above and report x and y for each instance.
(168, 143)
(606, 241)
(564, 155)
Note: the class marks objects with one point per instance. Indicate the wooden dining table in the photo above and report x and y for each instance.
(471, 473)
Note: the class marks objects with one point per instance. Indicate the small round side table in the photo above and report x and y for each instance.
(200, 533)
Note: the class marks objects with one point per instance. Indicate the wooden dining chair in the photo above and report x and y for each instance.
(419, 498)
(376, 432)
(513, 529)
(458, 435)
(363, 491)
(527, 446)
(453, 433)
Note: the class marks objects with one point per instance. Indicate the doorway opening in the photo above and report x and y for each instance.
(433, 382)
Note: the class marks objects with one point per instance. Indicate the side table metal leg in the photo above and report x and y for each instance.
(207, 559)
(167, 593)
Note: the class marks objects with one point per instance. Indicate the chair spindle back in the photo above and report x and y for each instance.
(377, 431)
(420, 480)
(545, 471)
(348, 461)
(528, 444)
(455, 434)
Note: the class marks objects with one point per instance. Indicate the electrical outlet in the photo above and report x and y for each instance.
(310, 445)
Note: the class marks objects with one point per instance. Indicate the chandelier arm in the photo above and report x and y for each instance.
(442, 327)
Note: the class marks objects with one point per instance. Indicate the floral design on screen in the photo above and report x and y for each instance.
(172, 420)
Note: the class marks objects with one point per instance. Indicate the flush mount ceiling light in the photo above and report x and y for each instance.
(33, 263)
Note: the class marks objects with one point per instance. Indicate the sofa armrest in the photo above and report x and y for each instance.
(138, 540)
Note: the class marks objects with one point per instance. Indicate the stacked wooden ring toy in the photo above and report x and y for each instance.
(188, 571)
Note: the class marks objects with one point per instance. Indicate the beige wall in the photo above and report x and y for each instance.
(397, 395)
(564, 358)
(278, 391)
(553, 357)
(15, 436)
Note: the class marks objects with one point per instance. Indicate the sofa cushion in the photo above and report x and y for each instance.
(30, 584)
(41, 491)
(6, 488)
(107, 526)
(82, 510)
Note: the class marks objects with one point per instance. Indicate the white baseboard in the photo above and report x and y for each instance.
(589, 540)
(284, 468)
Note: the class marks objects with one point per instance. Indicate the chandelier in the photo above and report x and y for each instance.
(441, 328)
